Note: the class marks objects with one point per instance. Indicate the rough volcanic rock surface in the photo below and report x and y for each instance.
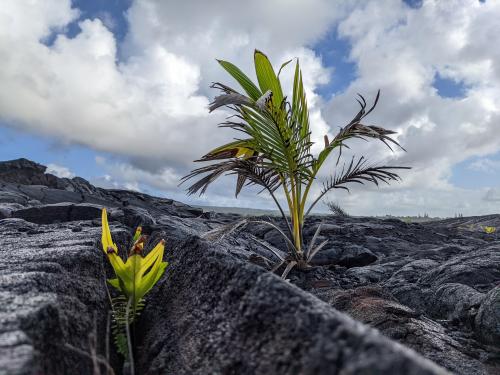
(432, 287)
(51, 295)
(244, 320)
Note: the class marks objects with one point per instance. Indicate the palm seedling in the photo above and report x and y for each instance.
(274, 151)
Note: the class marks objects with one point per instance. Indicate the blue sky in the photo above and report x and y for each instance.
(46, 150)
(114, 57)
(477, 172)
(111, 12)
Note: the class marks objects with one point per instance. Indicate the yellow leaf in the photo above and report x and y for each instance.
(106, 239)
(157, 252)
(137, 234)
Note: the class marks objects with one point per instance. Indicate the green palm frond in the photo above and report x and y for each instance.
(255, 173)
(356, 130)
(359, 172)
(245, 82)
(268, 81)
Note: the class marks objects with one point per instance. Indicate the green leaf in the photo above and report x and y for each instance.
(267, 78)
(245, 82)
(282, 66)
(115, 283)
(137, 234)
(300, 112)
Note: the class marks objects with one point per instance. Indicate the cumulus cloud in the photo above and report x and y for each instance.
(152, 104)
(400, 50)
(149, 106)
(76, 90)
(120, 174)
(492, 195)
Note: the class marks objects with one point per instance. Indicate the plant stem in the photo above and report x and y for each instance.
(290, 205)
(281, 211)
(306, 192)
(129, 340)
(296, 224)
(108, 325)
(314, 203)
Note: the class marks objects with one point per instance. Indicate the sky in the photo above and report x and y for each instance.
(116, 91)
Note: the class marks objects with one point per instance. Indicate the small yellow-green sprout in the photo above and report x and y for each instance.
(137, 234)
(136, 276)
(490, 230)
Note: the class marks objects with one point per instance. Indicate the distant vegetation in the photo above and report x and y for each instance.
(335, 209)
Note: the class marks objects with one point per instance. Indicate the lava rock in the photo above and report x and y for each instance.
(24, 171)
(456, 302)
(184, 210)
(488, 318)
(376, 307)
(51, 295)
(349, 256)
(432, 287)
(478, 269)
(215, 314)
(59, 212)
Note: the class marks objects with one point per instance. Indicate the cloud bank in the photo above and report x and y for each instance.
(148, 104)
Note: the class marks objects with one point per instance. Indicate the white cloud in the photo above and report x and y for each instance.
(150, 107)
(125, 175)
(399, 50)
(492, 195)
(59, 171)
(76, 91)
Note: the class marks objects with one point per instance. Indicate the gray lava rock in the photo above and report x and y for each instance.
(51, 294)
(479, 269)
(376, 307)
(184, 210)
(488, 318)
(58, 213)
(373, 273)
(213, 314)
(349, 256)
(12, 198)
(6, 209)
(456, 302)
(404, 285)
(432, 287)
(24, 171)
